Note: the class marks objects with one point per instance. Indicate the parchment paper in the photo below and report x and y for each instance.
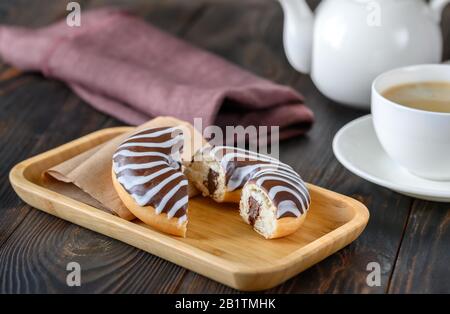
(91, 170)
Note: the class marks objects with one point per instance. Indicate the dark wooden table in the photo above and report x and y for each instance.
(409, 238)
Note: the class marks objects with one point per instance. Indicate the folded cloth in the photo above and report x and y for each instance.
(127, 68)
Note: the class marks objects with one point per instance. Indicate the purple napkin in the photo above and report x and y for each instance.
(128, 69)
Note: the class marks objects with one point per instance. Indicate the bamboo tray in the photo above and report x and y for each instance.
(219, 245)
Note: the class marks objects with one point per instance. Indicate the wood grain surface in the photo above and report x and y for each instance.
(409, 238)
(218, 244)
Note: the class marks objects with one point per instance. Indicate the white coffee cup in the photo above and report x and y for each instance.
(416, 139)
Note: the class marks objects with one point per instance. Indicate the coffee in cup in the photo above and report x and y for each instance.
(411, 117)
(428, 96)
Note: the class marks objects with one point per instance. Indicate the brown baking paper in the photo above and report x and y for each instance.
(91, 170)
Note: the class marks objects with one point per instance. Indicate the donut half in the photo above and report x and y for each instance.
(272, 197)
(147, 175)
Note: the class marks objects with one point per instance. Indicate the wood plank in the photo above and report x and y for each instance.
(333, 221)
(22, 133)
(41, 114)
(253, 40)
(248, 34)
(174, 16)
(31, 13)
(423, 262)
(34, 260)
(21, 227)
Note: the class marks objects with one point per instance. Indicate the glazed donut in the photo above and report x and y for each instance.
(147, 175)
(272, 196)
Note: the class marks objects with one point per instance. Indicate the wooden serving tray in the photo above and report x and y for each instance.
(219, 245)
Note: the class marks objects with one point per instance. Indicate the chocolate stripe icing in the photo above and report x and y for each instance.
(148, 166)
(282, 184)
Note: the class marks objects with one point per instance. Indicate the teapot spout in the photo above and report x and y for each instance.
(298, 33)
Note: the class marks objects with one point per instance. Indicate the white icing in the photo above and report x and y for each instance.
(300, 184)
(182, 219)
(128, 153)
(277, 189)
(268, 169)
(143, 200)
(180, 203)
(229, 156)
(280, 178)
(161, 156)
(169, 195)
(129, 181)
(147, 165)
(165, 144)
(152, 135)
(287, 206)
(247, 153)
(239, 175)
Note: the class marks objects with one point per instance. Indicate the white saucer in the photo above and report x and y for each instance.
(357, 148)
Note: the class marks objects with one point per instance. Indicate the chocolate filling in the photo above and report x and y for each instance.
(211, 182)
(253, 210)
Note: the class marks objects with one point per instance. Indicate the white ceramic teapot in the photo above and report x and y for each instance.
(350, 42)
